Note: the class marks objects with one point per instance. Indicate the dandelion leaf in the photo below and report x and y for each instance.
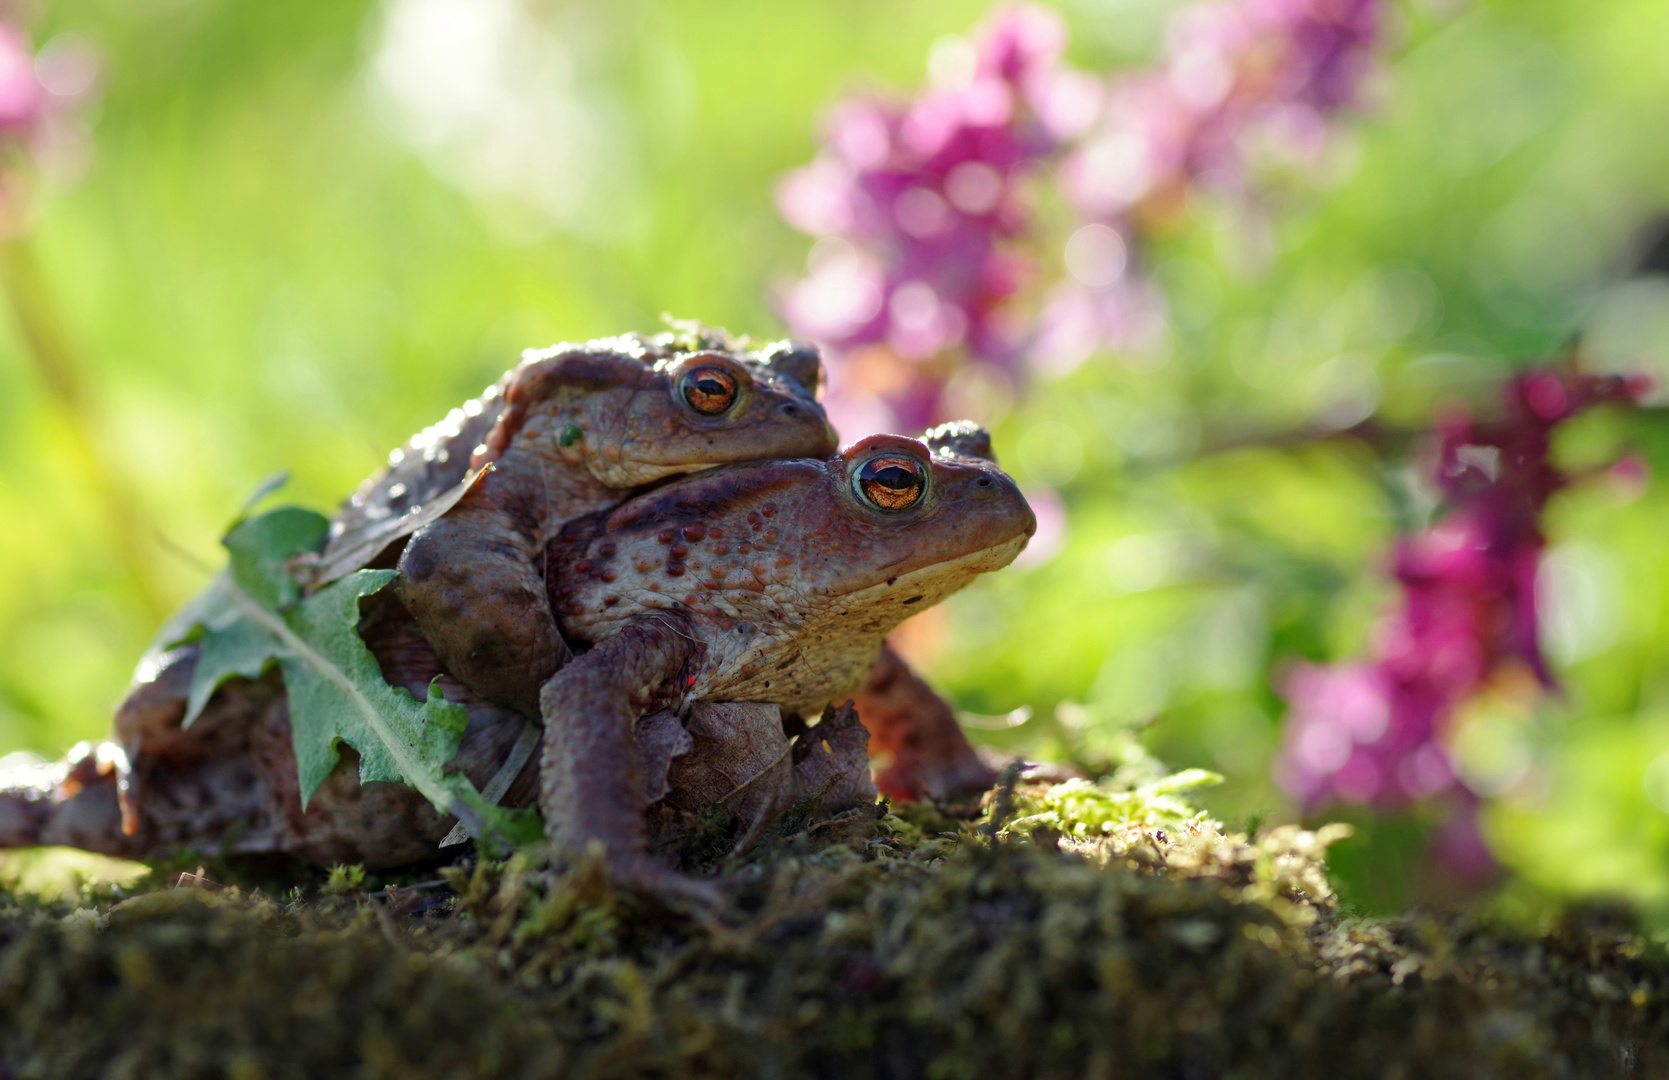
(254, 615)
(229, 646)
(337, 694)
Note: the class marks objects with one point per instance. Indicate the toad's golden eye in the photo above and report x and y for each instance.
(890, 482)
(710, 390)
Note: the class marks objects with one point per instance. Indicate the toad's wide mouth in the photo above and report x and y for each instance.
(907, 593)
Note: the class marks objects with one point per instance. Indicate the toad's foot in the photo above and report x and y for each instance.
(73, 803)
(907, 721)
(643, 875)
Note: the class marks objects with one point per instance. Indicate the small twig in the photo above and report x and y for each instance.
(843, 818)
(1002, 806)
(196, 881)
(1157, 850)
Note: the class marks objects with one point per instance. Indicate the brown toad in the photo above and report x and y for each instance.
(573, 427)
(771, 582)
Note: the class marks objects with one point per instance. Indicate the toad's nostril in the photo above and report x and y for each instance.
(790, 409)
(985, 481)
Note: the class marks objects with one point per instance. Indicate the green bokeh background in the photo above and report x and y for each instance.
(267, 264)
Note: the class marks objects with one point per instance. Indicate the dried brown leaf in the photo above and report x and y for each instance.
(831, 759)
(741, 758)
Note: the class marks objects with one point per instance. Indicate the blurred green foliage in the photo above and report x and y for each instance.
(274, 261)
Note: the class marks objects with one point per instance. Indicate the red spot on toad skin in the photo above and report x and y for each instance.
(755, 522)
(721, 549)
(610, 600)
(695, 533)
(744, 548)
(691, 682)
(772, 536)
(769, 509)
(609, 576)
(675, 569)
(607, 550)
(716, 533)
(677, 551)
(785, 560)
(664, 536)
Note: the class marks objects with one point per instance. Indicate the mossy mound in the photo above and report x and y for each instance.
(865, 946)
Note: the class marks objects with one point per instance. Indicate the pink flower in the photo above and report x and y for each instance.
(928, 249)
(23, 100)
(1375, 732)
(918, 204)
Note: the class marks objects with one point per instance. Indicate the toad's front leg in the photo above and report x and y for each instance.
(475, 582)
(590, 779)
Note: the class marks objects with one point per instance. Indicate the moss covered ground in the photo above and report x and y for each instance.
(1089, 931)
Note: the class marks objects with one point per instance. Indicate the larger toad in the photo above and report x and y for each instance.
(572, 428)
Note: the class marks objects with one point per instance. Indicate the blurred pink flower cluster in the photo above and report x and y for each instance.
(38, 125)
(916, 206)
(1240, 82)
(926, 273)
(1375, 732)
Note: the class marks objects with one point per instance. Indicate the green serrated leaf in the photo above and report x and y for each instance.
(230, 647)
(254, 615)
(499, 827)
(337, 693)
(270, 483)
(261, 546)
(209, 608)
(231, 644)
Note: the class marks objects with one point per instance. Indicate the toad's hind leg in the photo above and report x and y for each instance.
(915, 727)
(474, 581)
(591, 787)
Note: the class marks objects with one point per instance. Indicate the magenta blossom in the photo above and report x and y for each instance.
(23, 99)
(1239, 81)
(40, 131)
(922, 209)
(1375, 732)
(1270, 72)
(918, 204)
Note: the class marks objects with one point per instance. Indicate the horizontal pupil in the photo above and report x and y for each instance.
(895, 478)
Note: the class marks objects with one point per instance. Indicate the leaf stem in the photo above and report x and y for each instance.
(41, 325)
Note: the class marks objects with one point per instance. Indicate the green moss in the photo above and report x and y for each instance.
(875, 944)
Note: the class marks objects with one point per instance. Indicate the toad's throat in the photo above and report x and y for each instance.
(828, 654)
